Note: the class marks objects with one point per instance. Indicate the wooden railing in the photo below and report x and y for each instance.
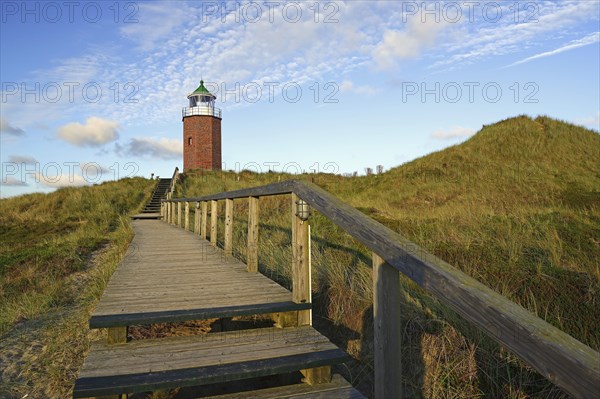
(171, 188)
(556, 355)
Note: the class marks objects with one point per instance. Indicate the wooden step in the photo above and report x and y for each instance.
(338, 388)
(154, 364)
(169, 275)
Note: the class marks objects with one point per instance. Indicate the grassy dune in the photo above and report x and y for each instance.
(57, 253)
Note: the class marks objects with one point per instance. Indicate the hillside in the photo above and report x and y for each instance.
(57, 253)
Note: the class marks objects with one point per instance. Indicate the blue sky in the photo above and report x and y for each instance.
(93, 91)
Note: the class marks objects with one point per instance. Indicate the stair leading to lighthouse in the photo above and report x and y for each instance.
(152, 208)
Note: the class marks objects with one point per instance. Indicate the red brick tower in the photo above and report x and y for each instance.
(201, 131)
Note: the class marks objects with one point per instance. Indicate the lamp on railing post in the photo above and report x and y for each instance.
(302, 210)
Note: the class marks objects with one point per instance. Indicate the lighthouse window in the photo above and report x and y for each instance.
(189, 141)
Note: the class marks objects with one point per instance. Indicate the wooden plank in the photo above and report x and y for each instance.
(228, 239)
(284, 187)
(219, 357)
(163, 316)
(173, 212)
(556, 355)
(191, 376)
(300, 262)
(387, 330)
(117, 335)
(186, 222)
(252, 248)
(338, 388)
(204, 220)
(214, 217)
(197, 219)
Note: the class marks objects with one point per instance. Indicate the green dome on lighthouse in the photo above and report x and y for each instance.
(202, 91)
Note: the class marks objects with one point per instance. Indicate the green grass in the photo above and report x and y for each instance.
(57, 254)
(517, 206)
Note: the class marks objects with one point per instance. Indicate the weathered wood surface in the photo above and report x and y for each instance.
(300, 263)
(387, 330)
(214, 220)
(556, 355)
(338, 388)
(204, 219)
(170, 272)
(228, 239)
(195, 360)
(252, 249)
(186, 221)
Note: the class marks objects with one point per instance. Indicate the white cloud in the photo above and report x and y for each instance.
(408, 43)
(592, 122)
(61, 180)
(162, 148)
(9, 181)
(155, 21)
(23, 159)
(349, 87)
(96, 132)
(452, 133)
(584, 41)
(7, 128)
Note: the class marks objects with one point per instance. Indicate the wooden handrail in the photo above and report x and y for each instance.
(556, 355)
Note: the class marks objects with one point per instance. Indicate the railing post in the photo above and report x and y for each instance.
(173, 212)
(168, 211)
(187, 216)
(228, 244)
(301, 262)
(179, 215)
(213, 222)
(388, 333)
(197, 219)
(252, 254)
(204, 220)
(162, 211)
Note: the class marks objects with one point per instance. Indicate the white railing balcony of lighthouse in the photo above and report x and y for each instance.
(201, 110)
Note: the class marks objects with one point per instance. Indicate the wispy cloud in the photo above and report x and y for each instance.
(10, 181)
(61, 180)
(584, 41)
(22, 159)
(94, 133)
(162, 148)
(348, 86)
(452, 133)
(7, 129)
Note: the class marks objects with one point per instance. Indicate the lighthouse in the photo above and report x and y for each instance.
(201, 131)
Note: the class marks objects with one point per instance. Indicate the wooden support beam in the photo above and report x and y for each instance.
(228, 244)
(213, 222)
(204, 219)
(173, 212)
(117, 335)
(317, 375)
(252, 251)
(197, 219)
(388, 332)
(179, 215)
(162, 211)
(300, 262)
(187, 216)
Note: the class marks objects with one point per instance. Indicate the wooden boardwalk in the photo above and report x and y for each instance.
(169, 274)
